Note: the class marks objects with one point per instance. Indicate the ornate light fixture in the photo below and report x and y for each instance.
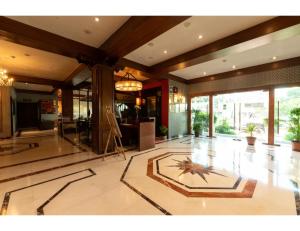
(4, 79)
(128, 83)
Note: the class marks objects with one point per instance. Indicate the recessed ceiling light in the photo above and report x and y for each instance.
(150, 44)
(87, 31)
(13, 57)
(97, 19)
(274, 57)
(233, 66)
(165, 51)
(26, 83)
(26, 54)
(186, 24)
(204, 73)
(200, 36)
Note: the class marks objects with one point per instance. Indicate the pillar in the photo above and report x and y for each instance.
(102, 96)
(271, 117)
(211, 117)
(67, 102)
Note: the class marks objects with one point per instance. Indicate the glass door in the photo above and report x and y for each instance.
(285, 100)
(200, 114)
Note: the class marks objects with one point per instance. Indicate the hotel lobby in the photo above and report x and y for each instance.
(150, 115)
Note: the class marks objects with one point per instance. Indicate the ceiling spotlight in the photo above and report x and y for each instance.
(200, 36)
(204, 73)
(97, 19)
(233, 67)
(26, 54)
(26, 83)
(274, 57)
(165, 51)
(186, 24)
(150, 44)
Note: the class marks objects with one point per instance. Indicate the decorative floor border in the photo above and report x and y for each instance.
(40, 211)
(153, 203)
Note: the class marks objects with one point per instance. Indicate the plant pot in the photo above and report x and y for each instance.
(251, 140)
(197, 133)
(163, 137)
(296, 146)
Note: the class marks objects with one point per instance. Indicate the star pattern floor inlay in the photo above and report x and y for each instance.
(180, 176)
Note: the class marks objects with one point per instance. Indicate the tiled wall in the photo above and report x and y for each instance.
(280, 76)
(178, 110)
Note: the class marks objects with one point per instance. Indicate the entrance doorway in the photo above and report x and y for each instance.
(27, 115)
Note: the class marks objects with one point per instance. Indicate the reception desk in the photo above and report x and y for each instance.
(141, 133)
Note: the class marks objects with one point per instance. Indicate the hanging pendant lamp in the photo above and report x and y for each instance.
(128, 83)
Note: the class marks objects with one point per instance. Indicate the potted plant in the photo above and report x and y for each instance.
(197, 129)
(163, 132)
(294, 129)
(250, 129)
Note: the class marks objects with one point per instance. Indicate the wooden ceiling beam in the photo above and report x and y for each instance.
(137, 31)
(23, 34)
(248, 70)
(36, 80)
(206, 53)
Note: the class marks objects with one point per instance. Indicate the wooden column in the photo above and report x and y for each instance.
(102, 96)
(211, 117)
(189, 112)
(67, 102)
(271, 117)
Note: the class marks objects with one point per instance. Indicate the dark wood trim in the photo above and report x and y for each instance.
(37, 80)
(271, 116)
(78, 69)
(34, 92)
(211, 116)
(137, 31)
(249, 70)
(23, 34)
(193, 57)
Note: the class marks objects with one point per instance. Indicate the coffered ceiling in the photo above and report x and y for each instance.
(185, 36)
(254, 52)
(83, 29)
(23, 60)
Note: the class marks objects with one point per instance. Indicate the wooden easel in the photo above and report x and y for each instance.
(115, 132)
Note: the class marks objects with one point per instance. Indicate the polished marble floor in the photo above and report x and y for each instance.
(181, 176)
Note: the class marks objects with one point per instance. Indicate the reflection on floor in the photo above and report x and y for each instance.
(180, 176)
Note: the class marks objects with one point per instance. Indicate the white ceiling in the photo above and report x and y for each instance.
(40, 63)
(76, 27)
(181, 39)
(282, 49)
(32, 87)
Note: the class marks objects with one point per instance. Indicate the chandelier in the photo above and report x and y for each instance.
(4, 79)
(128, 83)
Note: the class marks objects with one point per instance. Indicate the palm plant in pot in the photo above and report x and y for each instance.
(250, 129)
(294, 129)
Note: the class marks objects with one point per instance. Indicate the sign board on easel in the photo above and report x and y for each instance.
(114, 132)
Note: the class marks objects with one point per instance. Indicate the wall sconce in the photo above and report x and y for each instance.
(138, 101)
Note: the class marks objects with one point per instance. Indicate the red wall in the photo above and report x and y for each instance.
(164, 84)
